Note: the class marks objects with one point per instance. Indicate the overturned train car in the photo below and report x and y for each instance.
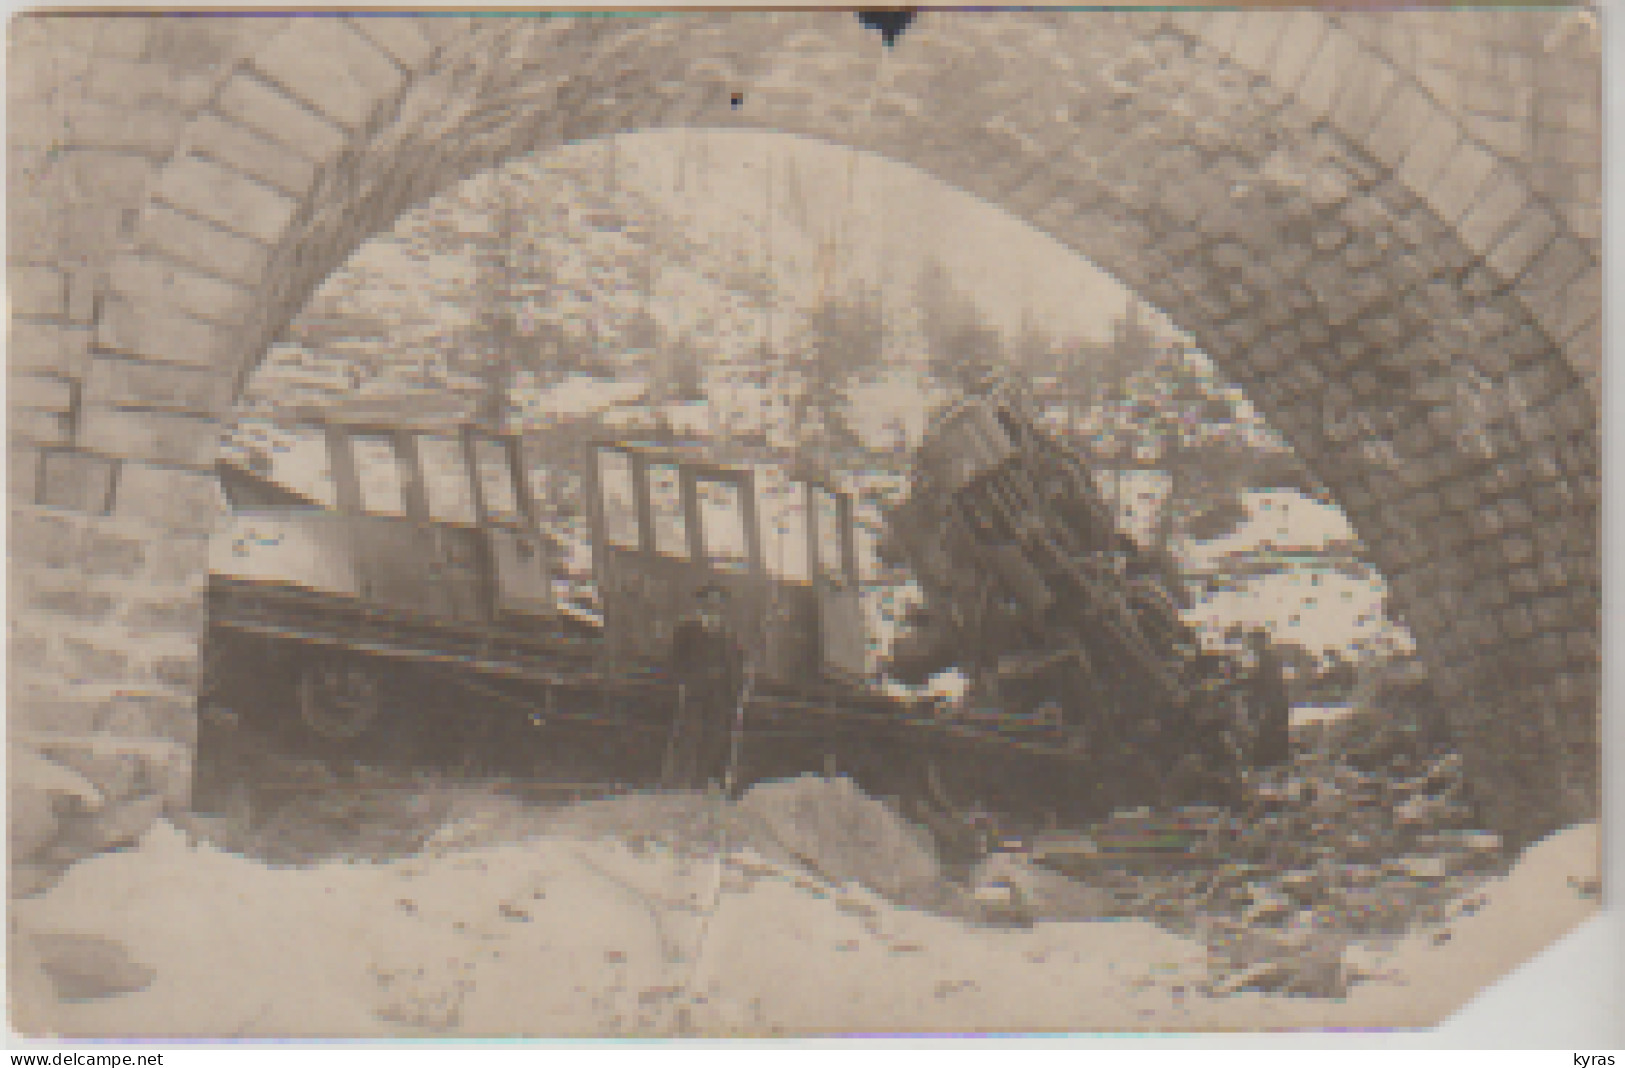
(1053, 611)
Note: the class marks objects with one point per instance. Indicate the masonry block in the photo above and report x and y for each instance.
(1562, 287)
(1256, 43)
(211, 137)
(36, 118)
(1322, 84)
(149, 712)
(36, 290)
(1224, 27)
(1585, 217)
(46, 393)
(122, 37)
(76, 604)
(1435, 141)
(1460, 180)
(177, 671)
(180, 558)
(152, 86)
(92, 225)
(1584, 349)
(143, 279)
(117, 776)
(256, 103)
(399, 37)
(1296, 51)
(1368, 79)
(1504, 135)
(48, 347)
(93, 658)
(106, 125)
(1530, 233)
(332, 68)
(23, 473)
(117, 382)
(101, 178)
(162, 334)
(43, 537)
(84, 289)
(181, 611)
(35, 227)
(188, 502)
(226, 198)
(156, 437)
(55, 708)
(1560, 263)
(1405, 113)
(36, 428)
(224, 255)
(114, 549)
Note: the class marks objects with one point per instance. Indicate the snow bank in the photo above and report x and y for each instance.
(846, 836)
(591, 929)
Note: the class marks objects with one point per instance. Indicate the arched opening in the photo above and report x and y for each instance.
(773, 299)
(1380, 304)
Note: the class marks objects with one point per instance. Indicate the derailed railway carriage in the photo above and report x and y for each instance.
(399, 603)
(663, 526)
(391, 598)
(360, 560)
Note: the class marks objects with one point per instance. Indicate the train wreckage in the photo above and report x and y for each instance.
(411, 614)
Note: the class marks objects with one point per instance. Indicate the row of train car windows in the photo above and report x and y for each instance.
(382, 474)
(782, 507)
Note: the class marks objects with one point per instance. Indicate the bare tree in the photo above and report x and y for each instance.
(962, 347)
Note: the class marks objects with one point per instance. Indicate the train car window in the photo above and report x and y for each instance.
(722, 524)
(445, 479)
(782, 505)
(303, 461)
(295, 457)
(617, 493)
(827, 517)
(496, 481)
(380, 474)
(666, 508)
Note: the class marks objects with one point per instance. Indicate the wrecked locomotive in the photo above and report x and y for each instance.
(1033, 589)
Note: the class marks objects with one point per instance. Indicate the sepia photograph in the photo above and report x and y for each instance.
(767, 524)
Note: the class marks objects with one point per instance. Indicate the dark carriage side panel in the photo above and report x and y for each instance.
(419, 568)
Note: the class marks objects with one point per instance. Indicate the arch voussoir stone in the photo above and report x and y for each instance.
(331, 68)
(261, 106)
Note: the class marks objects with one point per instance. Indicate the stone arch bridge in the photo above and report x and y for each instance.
(1383, 227)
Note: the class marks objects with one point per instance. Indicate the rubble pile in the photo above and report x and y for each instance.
(71, 797)
(1323, 856)
(845, 836)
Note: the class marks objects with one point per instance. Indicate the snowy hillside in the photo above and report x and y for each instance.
(674, 286)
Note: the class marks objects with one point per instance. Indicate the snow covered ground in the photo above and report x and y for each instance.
(586, 930)
(1315, 600)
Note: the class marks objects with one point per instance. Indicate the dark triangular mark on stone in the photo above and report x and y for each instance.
(889, 23)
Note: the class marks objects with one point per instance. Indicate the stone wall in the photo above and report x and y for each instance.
(1406, 288)
(1524, 84)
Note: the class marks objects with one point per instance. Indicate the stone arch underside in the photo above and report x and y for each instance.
(1402, 304)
